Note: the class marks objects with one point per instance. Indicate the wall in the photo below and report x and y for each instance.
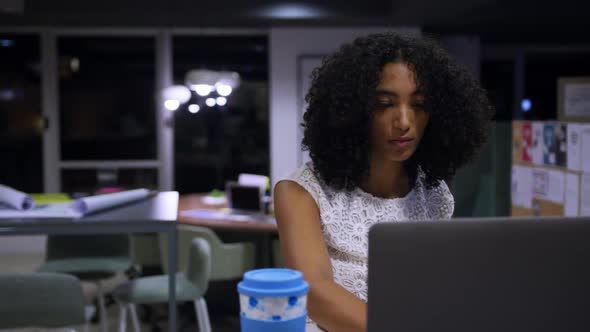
(482, 188)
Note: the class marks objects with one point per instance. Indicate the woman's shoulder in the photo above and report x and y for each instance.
(438, 200)
(306, 177)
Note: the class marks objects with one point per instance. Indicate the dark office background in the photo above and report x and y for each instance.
(107, 92)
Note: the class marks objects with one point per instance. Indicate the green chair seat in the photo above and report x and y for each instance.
(87, 268)
(155, 290)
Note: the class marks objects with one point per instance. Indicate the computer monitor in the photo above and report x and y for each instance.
(480, 275)
(244, 198)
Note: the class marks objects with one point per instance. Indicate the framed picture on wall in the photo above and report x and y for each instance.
(306, 63)
(573, 99)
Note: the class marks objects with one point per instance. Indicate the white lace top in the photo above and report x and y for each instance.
(347, 215)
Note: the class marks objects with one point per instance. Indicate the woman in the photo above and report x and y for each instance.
(390, 119)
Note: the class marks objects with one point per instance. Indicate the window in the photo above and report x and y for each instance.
(217, 143)
(107, 98)
(21, 119)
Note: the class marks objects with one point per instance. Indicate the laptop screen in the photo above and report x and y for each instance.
(245, 198)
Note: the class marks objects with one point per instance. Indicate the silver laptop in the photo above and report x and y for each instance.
(479, 275)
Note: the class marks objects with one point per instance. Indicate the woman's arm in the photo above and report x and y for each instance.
(298, 219)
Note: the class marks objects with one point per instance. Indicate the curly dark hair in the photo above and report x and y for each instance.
(342, 98)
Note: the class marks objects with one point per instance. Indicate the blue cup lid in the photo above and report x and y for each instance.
(273, 282)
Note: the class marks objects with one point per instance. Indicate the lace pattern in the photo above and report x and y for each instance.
(347, 216)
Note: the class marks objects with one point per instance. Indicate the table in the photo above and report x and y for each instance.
(193, 202)
(155, 214)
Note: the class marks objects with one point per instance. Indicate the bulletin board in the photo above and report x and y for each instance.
(550, 169)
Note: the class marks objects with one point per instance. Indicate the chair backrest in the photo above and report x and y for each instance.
(145, 250)
(199, 263)
(37, 299)
(228, 260)
(74, 246)
(186, 234)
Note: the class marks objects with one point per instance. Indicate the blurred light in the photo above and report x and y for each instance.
(201, 77)
(193, 108)
(171, 104)
(526, 105)
(292, 10)
(179, 93)
(7, 94)
(202, 89)
(260, 48)
(228, 78)
(221, 101)
(6, 42)
(210, 102)
(224, 90)
(75, 64)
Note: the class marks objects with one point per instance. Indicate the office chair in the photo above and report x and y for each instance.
(229, 261)
(91, 258)
(35, 299)
(191, 285)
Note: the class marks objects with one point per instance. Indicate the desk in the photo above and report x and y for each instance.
(260, 230)
(156, 214)
(193, 202)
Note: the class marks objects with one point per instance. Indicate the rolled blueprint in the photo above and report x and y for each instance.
(96, 203)
(16, 199)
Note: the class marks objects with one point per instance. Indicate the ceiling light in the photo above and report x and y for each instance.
(180, 93)
(221, 101)
(224, 90)
(210, 102)
(229, 78)
(198, 77)
(171, 104)
(194, 108)
(292, 11)
(202, 89)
